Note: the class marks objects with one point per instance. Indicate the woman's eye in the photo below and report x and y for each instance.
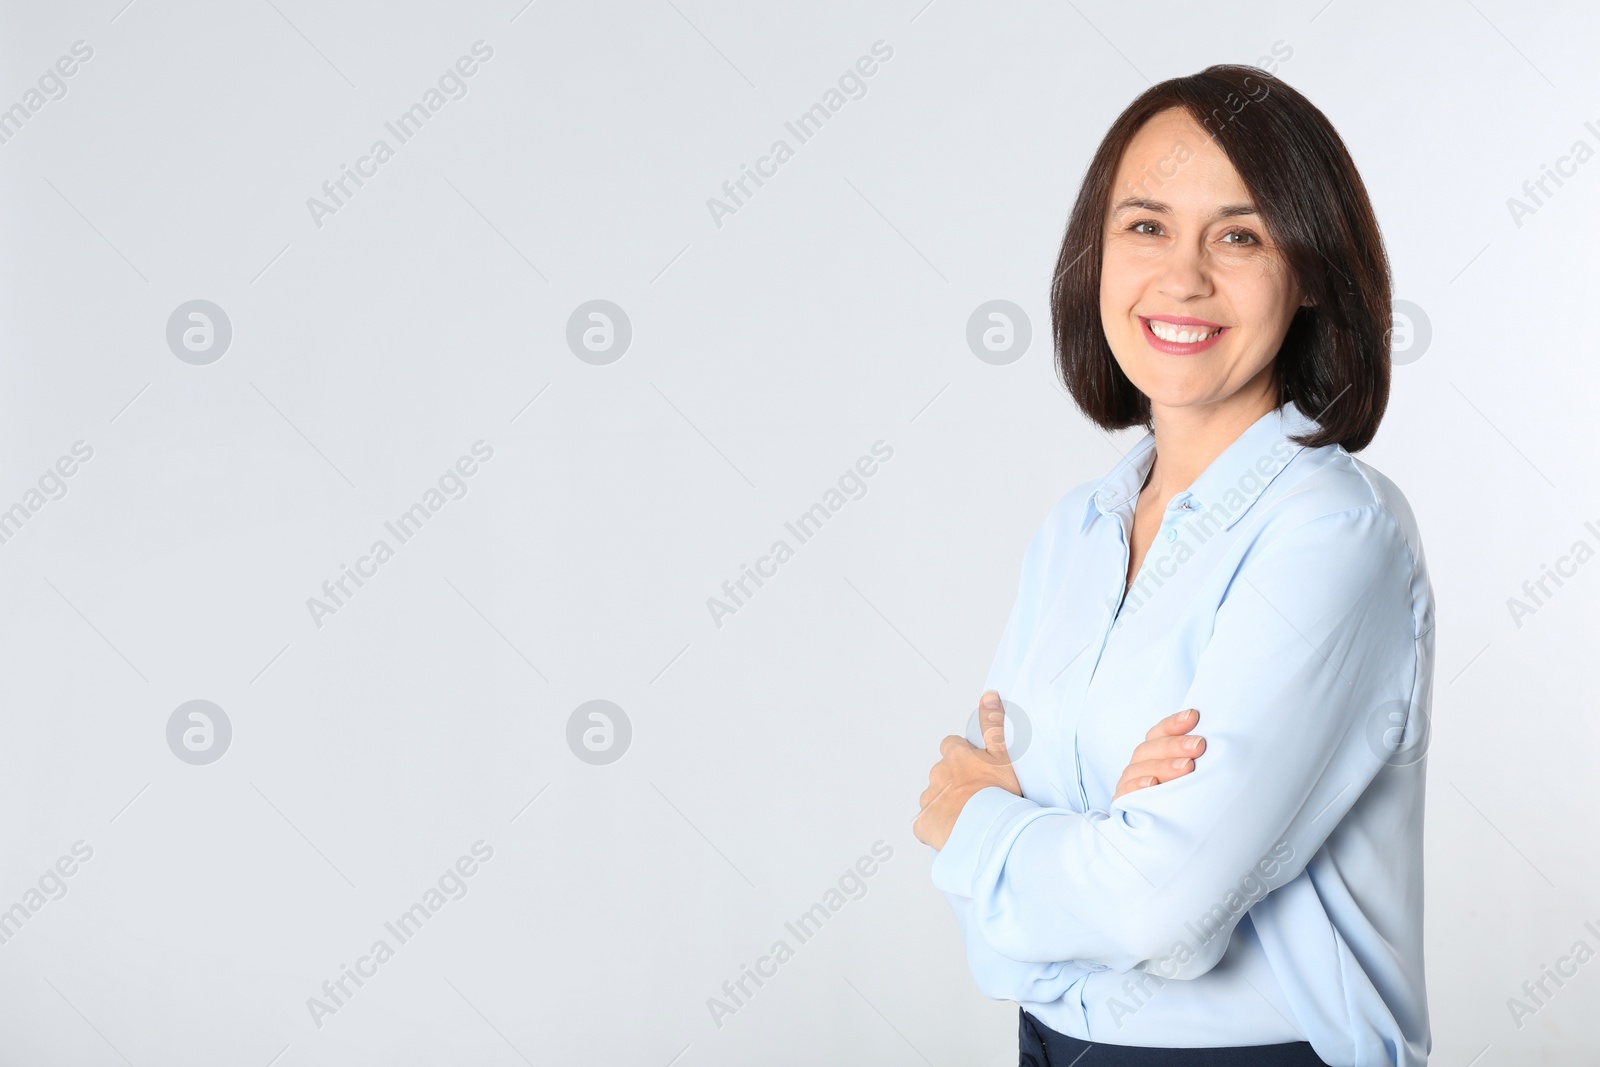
(1247, 240)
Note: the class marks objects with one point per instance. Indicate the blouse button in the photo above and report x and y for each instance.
(1172, 533)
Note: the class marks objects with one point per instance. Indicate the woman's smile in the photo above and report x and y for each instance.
(1186, 264)
(1180, 335)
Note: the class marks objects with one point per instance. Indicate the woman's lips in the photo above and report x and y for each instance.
(1176, 348)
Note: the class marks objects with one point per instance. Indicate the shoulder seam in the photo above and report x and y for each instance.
(1379, 506)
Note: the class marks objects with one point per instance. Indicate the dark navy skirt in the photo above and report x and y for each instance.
(1040, 1046)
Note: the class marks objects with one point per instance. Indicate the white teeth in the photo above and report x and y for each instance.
(1182, 335)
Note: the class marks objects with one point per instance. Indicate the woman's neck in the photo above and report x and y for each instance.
(1188, 439)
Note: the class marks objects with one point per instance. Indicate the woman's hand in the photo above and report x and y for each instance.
(962, 770)
(1164, 754)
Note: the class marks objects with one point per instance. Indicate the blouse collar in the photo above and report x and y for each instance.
(1228, 487)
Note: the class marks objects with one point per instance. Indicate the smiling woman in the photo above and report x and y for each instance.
(1253, 896)
(1228, 191)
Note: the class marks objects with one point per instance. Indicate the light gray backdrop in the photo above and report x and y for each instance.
(183, 878)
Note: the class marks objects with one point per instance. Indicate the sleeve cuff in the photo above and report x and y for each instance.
(981, 817)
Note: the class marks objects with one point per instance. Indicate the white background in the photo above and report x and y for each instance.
(768, 354)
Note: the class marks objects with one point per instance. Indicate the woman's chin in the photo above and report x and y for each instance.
(1168, 393)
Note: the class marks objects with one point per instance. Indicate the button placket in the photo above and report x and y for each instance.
(1181, 509)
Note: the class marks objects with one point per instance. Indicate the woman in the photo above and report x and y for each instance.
(1256, 898)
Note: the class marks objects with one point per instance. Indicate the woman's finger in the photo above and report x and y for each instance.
(1179, 746)
(1181, 722)
(1129, 784)
(1142, 774)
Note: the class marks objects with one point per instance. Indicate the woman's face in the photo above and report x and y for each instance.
(1183, 243)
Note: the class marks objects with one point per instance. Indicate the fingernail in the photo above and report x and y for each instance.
(1191, 743)
(991, 701)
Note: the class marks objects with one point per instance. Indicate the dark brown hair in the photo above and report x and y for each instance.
(1334, 361)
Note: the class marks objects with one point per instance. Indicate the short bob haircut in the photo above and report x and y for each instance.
(1334, 361)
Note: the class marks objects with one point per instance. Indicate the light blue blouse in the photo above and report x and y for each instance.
(1274, 893)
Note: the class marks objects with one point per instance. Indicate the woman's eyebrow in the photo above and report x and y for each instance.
(1227, 211)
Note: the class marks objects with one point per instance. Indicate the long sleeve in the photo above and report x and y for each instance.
(1000, 977)
(1033, 586)
(1314, 643)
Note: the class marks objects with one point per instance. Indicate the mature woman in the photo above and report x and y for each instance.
(1254, 896)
